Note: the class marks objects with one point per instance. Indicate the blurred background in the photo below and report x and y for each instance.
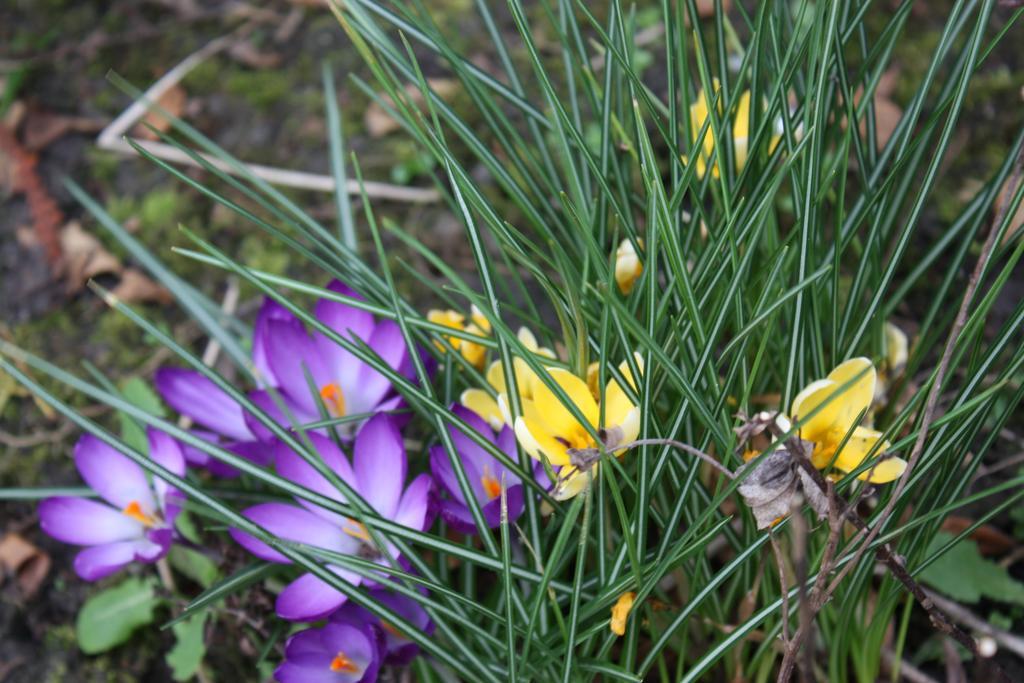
(261, 97)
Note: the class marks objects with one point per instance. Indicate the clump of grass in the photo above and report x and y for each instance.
(771, 237)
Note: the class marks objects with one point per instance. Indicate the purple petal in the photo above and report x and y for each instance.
(256, 452)
(294, 467)
(302, 414)
(86, 522)
(457, 516)
(197, 397)
(416, 505)
(444, 473)
(292, 354)
(292, 523)
(472, 453)
(99, 561)
(399, 647)
(112, 475)
(308, 598)
(350, 323)
(167, 453)
(380, 464)
(270, 310)
(388, 343)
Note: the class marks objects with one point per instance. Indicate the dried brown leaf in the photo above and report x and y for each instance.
(42, 128)
(135, 287)
(244, 52)
(379, 123)
(173, 102)
(84, 257)
(25, 562)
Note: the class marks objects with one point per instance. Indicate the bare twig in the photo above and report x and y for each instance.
(906, 670)
(784, 585)
(113, 138)
(884, 553)
(961, 614)
(683, 447)
(947, 354)
(895, 566)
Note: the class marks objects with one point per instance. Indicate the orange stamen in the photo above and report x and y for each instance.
(391, 629)
(492, 487)
(134, 510)
(357, 530)
(341, 663)
(334, 399)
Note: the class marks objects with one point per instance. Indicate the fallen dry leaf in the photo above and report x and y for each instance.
(25, 562)
(379, 123)
(173, 102)
(991, 541)
(135, 287)
(244, 52)
(41, 128)
(84, 257)
(887, 112)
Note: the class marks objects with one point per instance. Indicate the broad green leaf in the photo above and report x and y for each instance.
(194, 565)
(108, 618)
(964, 575)
(138, 392)
(187, 654)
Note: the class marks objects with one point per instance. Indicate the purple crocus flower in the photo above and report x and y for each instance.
(399, 650)
(136, 523)
(341, 382)
(222, 419)
(377, 473)
(335, 653)
(483, 471)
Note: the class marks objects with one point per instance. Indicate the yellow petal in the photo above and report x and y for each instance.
(479, 319)
(616, 403)
(481, 403)
(536, 440)
(527, 339)
(620, 612)
(627, 267)
(741, 130)
(818, 427)
(895, 347)
(496, 377)
(556, 416)
(885, 471)
(572, 482)
(844, 404)
(630, 426)
(856, 449)
(593, 377)
(475, 353)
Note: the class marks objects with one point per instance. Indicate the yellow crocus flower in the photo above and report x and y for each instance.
(495, 412)
(479, 325)
(548, 430)
(627, 266)
(840, 410)
(740, 133)
(620, 612)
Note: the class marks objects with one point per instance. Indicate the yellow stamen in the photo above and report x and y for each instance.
(334, 399)
(341, 663)
(134, 510)
(492, 487)
(357, 530)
